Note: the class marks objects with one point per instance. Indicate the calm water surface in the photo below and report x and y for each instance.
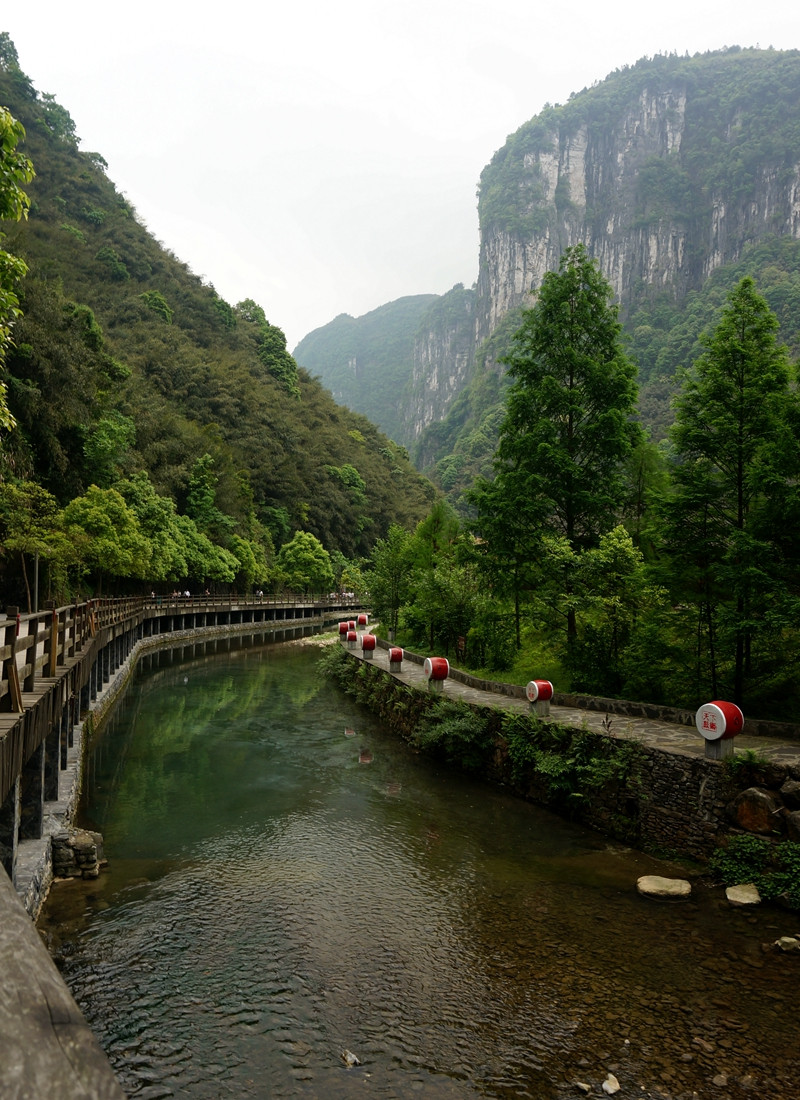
(288, 882)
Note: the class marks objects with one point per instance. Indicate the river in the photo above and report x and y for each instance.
(289, 886)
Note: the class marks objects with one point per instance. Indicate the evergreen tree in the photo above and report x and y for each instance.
(569, 427)
(737, 461)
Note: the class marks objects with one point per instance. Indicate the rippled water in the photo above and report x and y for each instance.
(287, 882)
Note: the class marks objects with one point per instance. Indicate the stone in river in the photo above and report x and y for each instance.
(667, 889)
(743, 895)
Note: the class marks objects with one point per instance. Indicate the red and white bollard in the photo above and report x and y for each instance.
(368, 646)
(395, 659)
(436, 671)
(718, 723)
(363, 619)
(352, 638)
(539, 694)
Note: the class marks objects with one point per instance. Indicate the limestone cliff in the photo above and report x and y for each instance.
(666, 171)
(444, 346)
(680, 175)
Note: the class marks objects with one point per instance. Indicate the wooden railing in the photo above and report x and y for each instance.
(35, 647)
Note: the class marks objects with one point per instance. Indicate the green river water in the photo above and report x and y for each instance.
(288, 882)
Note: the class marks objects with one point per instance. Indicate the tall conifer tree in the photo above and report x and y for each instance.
(736, 444)
(569, 425)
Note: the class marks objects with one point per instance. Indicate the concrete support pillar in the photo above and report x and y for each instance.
(31, 796)
(66, 734)
(9, 830)
(52, 760)
(719, 750)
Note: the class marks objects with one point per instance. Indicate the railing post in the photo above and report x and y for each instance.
(13, 698)
(52, 644)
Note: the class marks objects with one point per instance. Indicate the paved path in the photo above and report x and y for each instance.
(663, 735)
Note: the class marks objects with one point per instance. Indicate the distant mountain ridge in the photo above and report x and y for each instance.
(680, 174)
(367, 362)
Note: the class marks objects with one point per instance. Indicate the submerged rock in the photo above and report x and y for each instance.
(666, 889)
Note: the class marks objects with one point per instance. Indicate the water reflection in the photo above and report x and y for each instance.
(271, 903)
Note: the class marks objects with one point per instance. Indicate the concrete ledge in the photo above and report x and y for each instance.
(47, 1046)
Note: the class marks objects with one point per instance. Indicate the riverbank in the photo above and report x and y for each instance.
(639, 780)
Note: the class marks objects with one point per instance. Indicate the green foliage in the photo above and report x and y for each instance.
(738, 460)
(156, 301)
(106, 534)
(335, 664)
(774, 869)
(304, 565)
(457, 733)
(30, 526)
(570, 762)
(107, 447)
(15, 170)
(113, 264)
(387, 576)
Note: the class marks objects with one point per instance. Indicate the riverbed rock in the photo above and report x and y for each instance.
(754, 810)
(665, 889)
(746, 894)
(788, 944)
(611, 1085)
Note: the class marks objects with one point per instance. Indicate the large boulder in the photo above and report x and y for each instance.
(792, 823)
(755, 811)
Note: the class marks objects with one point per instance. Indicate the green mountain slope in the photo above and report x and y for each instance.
(121, 347)
(366, 362)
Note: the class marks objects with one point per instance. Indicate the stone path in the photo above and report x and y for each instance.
(663, 735)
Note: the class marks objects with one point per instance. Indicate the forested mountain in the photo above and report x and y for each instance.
(366, 362)
(125, 363)
(681, 175)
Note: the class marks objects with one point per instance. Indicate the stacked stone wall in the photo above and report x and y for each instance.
(669, 802)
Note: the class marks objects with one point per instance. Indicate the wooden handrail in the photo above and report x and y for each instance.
(35, 646)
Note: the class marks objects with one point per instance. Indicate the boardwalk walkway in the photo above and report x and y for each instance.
(662, 735)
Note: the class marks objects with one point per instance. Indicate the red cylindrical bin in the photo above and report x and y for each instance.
(436, 668)
(395, 655)
(363, 619)
(352, 637)
(351, 624)
(539, 691)
(367, 641)
(343, 628)
(719, 721)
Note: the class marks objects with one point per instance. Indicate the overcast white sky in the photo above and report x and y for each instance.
(323, 157)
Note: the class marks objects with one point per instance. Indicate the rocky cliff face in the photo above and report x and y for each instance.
(661, 171)
(443, 350)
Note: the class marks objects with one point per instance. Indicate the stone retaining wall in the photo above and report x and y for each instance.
(669, 802)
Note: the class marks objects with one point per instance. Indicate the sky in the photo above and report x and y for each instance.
(323, 158)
